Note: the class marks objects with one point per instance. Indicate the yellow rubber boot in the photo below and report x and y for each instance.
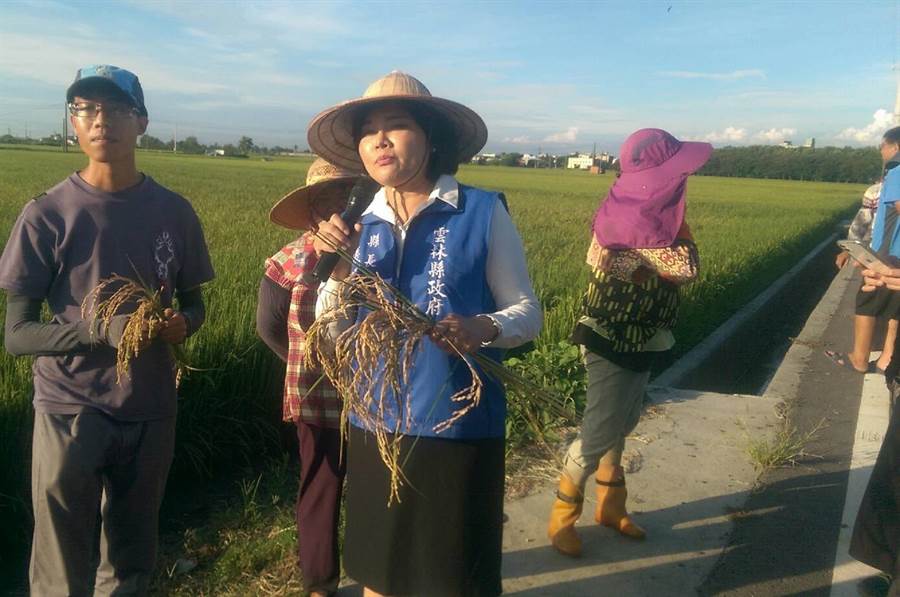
(565, 512)
(611, 495)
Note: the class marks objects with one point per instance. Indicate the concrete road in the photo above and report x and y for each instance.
(715, 526)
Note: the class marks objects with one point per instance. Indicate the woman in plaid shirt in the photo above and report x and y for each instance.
(286, 308)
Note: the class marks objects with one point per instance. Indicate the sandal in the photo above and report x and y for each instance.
(842, 359)
(874, 368)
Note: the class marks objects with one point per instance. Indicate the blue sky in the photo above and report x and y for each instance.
(558, 76)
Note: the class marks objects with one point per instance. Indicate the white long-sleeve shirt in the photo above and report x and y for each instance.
(518, 311)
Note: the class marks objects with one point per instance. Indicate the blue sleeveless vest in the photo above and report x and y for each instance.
(442, 271)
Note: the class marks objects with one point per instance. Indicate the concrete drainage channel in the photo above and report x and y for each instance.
(742, 355)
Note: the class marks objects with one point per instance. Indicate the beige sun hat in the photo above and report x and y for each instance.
(294, 210)
(330, 134)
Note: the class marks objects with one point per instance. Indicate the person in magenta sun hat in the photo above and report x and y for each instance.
(641, 251)
(645, 207)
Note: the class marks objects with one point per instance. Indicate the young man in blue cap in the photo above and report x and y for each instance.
(101, 445)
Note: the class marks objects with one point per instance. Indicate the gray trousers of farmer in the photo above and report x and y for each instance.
(96, 485)
(615, 397)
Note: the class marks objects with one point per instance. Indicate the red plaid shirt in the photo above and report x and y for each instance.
(322, 405)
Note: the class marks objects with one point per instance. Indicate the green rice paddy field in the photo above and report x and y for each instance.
(749, 232)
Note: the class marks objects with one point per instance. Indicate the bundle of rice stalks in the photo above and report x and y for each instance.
(116, 295)
(371, 361)
(370, 364)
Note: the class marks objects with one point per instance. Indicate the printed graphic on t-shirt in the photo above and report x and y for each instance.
(164, 253)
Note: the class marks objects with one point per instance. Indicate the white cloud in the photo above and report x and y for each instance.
(51, 60)
(570, 135)
(538, 110)
(882, 120)
(520, 140)
(752, 73)
(775, 135)
(729, 134)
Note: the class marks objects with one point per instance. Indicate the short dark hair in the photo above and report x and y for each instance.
(892, 136)
(444, 156)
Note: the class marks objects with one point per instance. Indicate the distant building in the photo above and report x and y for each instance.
(484, 158)
(534, 161)
(585, 161)
(787, 145)
(810, 143)
(580, 161)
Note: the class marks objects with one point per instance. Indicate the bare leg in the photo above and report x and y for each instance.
(889, 337)
(367, 592)
(613, 456)
(863, 330)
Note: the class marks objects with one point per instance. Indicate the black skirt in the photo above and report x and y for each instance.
(445, 536)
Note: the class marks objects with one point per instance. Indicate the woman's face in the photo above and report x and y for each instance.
(393, 147)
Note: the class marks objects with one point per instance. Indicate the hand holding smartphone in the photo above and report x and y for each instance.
(863, 255)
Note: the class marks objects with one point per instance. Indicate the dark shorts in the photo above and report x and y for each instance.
(445, 536)
(881, 302)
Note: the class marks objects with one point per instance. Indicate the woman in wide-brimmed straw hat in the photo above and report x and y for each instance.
(454, 251)
(285, 310)
(641, 250)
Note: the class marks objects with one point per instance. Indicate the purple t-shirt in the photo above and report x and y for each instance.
(69, 239)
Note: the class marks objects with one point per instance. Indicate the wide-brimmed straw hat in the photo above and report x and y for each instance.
(645, 206)
(294, 210)
(330, 134)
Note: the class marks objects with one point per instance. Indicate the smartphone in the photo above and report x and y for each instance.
(863, 254)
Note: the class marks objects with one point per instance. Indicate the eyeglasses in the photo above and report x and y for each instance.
(89, 110)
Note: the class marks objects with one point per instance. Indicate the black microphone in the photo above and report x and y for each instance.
(360, 197)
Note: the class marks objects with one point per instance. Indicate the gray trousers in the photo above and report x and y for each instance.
(615, 397)
(96, 485)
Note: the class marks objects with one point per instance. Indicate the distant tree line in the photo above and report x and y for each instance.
(827, 164)
(514, 159)
(54, 139)
(191, 145)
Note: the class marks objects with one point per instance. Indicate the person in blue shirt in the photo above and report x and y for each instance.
(453, 250)
(876, 533)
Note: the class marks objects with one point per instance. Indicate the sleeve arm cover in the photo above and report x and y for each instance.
(25, 334)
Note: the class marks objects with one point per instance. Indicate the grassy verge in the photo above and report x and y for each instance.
(239, 539)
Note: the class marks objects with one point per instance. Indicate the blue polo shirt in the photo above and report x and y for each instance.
(885, 237)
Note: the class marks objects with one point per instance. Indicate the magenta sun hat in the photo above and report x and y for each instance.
(644, 208)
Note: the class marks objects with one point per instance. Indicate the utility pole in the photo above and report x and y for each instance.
(897, 101)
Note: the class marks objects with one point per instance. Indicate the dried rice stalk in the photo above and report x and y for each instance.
(116, 294)
(375, 355)
(370, 364)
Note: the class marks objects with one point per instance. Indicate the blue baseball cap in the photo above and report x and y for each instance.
(119, 81)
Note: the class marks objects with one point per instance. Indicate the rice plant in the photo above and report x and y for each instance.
(749, 232)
